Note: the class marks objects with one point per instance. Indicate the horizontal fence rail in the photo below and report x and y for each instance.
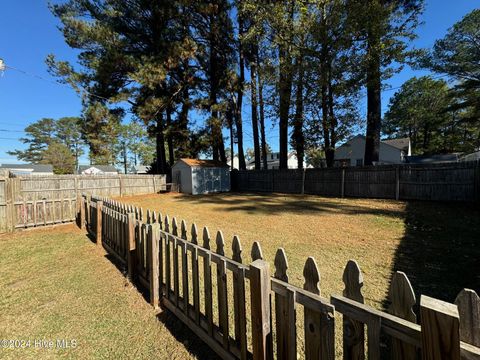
(45, 200)
(242, 310)
(438, 182)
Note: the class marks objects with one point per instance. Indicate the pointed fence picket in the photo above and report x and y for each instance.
(158, 254)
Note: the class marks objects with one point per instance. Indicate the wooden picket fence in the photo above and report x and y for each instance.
(184, 270)
(32, 201)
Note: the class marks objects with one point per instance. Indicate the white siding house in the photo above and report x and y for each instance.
(97, 170)
(194, 176)
(352, 152)
(273, 161)
(139, 169)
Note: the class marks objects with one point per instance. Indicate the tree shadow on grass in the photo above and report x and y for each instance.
(440, 250)
(273, 204)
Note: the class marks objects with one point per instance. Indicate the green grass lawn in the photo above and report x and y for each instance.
(56, 284)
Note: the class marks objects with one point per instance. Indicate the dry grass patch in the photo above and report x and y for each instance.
(382, 235)
(56, 284)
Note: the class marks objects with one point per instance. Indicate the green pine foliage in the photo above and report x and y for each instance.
(162, 80)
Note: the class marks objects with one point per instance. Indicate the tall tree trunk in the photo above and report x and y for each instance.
(125, 160)
(256, 143)
(238, 109)
(329, 153)
(221, 148)
(326, 126)
(333, 118)
(262, 117)
(161, 160)
(229, 116)
(297, 136)
(171, 157)
(215, 125)
(374, 111)
(285, 92)
(181, 138)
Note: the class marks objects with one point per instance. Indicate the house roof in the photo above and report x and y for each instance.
(141, 168)
(426, 159)
(203, 163)
(401, 143)
(104, 168)
(28, 167)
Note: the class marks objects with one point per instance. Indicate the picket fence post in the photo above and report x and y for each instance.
(440, 329)
(82, 213)
(131, 246)
(99, 222)
(260, 289)
(154, 238)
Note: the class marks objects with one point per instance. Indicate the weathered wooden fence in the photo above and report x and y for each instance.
(39, 201)
(228, 303)
(440, 182)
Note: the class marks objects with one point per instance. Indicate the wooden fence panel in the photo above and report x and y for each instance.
(326, 182)
(288, 181)
(370, 182)
(452, 182)
(59, 190)
(438, 182)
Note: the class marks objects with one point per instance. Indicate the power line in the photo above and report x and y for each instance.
(7, 130)
(55, 82)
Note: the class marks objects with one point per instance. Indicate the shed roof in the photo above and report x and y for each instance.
(203, 163)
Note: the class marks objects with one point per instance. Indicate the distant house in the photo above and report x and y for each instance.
(27, 169)
(235, 162)
(273, 161)
(140, 169)
(475, 156)
(393, 151)
(194, 176)
(433, 159)
(97, 170)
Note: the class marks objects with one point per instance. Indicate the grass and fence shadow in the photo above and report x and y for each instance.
(203, 301)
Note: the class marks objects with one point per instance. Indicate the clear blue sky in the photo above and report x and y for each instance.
(28, 33)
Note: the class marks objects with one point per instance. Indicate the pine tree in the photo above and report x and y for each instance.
(39, 135)
(383, 26)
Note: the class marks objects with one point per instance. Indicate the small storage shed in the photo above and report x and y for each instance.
(194, 176)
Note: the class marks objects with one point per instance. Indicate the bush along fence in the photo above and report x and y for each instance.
(244, 311)
(46, 200)
(442, 182)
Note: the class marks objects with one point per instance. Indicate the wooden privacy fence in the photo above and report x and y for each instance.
(242, 310)
(45, 200)
(441, 182)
